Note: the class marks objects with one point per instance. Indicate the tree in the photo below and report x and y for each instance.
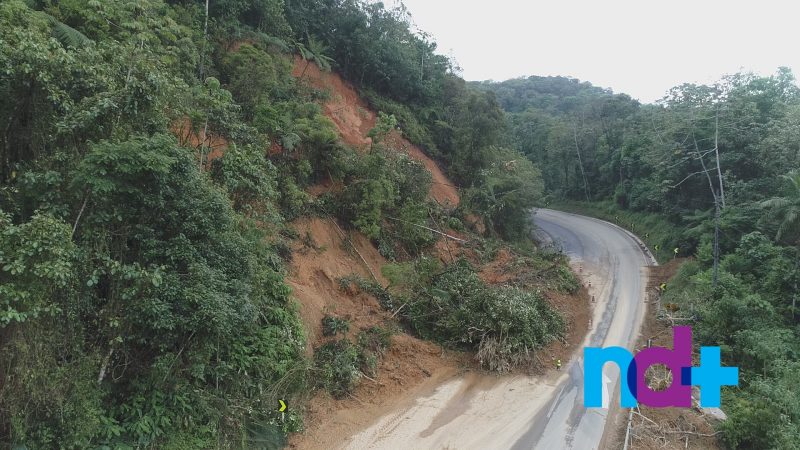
(508, 188)
(315, 52)
(787, 209)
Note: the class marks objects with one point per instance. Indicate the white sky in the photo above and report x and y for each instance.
(639, 47)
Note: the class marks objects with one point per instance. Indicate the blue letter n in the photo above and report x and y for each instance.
(594, 359)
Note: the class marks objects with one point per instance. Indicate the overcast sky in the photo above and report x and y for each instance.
(639, 47)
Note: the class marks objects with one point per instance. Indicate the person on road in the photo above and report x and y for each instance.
(558, 364)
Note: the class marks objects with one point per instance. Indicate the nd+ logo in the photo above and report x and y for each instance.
(709, 376)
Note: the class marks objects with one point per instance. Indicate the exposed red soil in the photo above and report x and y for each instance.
(496, 271)
(345, 108)
(354, 119)
(442, 189)
(411, 366)
(315, 272)
(409, 369)
(476, 224)
(410, 363)
(212, 143)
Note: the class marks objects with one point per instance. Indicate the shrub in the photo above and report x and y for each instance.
(337, 364)
(505, 324)
(374, 339)
(372, 344)
(334, 325)
(386, 199)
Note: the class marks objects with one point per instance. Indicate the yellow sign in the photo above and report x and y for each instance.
(283, 406)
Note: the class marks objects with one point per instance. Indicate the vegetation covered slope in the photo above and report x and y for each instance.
(724, 155)
(152, 157)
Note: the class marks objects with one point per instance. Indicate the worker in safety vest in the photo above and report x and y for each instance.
(558, 364)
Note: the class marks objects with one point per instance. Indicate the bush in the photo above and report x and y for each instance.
(751, 423)
(504, 324)
(375, 339)
(249, 178)
(334, 325)
(405, 118)
(386, 199)
(336, 364)
(339, 364)
(373, 343)
(370, 287)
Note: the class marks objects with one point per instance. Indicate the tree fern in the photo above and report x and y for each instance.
(68, 36)
(65, 34)
(787, 208)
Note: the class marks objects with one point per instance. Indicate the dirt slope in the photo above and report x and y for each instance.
(324, 254)
(354, 119)
(412, 368)
(212, 144)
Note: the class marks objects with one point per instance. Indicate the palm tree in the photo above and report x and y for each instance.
(788, 209)
(315, 51)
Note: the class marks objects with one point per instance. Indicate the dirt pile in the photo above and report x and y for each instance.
(410, 369)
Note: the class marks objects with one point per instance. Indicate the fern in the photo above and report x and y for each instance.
(68, 36)
(63, 33)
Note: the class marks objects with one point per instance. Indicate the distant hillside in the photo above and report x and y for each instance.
(555, 95)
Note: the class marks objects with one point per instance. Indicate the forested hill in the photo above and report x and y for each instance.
(155, 157)
(638, 155)
(554, 95)
(710, 171)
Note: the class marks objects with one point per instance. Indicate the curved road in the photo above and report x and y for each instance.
(521, 412)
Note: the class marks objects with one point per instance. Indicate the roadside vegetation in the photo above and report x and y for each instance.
(713, 171)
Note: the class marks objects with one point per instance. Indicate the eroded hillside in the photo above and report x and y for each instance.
(326, 253)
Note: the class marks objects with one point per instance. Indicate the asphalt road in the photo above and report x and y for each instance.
(545, 412)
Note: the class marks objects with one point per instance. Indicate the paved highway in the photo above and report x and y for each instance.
(545, 412)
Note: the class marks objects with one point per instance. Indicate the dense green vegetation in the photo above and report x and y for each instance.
(142, 293)
(505, 325)
(666, 169)
(340, 364)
